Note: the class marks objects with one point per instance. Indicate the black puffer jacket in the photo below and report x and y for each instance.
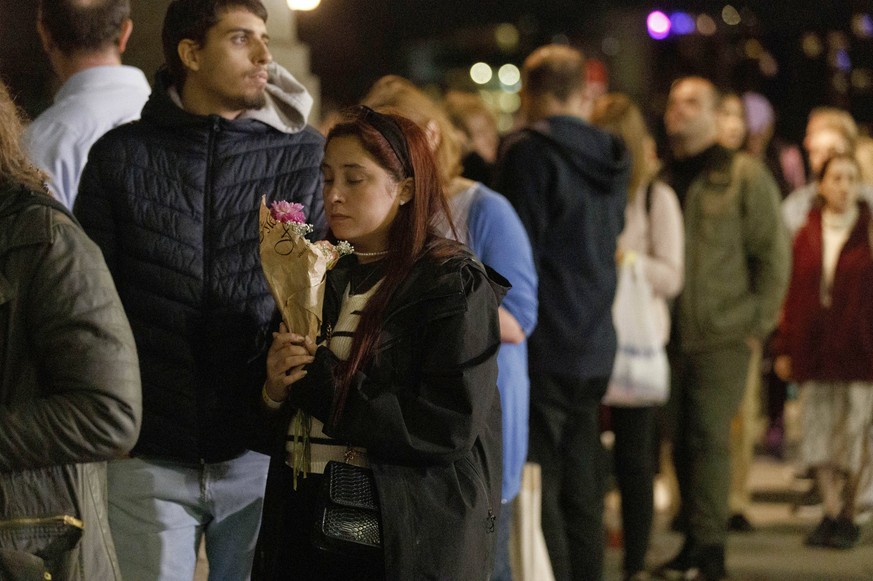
(69, 394)
(427, 410)
(172, 200)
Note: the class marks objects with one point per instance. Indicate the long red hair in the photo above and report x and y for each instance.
(411, 235)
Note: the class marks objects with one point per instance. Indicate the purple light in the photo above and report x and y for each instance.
(844, 63)
(658, 25)
(682, 23)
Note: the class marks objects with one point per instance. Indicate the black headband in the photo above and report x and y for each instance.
(392, 132)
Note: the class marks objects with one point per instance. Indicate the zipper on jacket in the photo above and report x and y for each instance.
(39, 521)
(207, 241)
(207, 206)
(491, 518)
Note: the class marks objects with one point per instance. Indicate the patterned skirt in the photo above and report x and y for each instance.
(837, 423)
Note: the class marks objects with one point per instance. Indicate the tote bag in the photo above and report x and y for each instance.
(529, 556)
(641, 373)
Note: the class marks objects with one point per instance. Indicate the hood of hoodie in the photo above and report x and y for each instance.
(287, 107)
(593, 152)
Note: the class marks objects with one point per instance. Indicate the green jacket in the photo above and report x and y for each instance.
(69, 394)
(737, 254)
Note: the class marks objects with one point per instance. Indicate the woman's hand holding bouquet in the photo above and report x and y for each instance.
(295, 269)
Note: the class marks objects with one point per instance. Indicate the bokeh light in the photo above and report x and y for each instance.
(682, 23)
(508, 102)
(842, 60)
(658, 25)
(862, 25)
(303, 4)
(862, 79)
(481, 73)
(753, 48)
(706, 25)
(811, 45)
(506, 35)
(730, 15)
(509, 75)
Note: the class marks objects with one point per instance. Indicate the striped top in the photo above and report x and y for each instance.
(322, 447)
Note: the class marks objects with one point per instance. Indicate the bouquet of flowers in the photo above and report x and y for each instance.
(294, 267)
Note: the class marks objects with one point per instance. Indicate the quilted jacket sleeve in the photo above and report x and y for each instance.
(75, 394)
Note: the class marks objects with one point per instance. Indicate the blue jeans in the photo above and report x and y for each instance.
(159, 511)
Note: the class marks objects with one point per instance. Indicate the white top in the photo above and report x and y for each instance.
(796, 206)
(340, 344)
(835, 230)
(88, 105)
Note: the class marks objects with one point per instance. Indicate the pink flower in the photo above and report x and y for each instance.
(286, 212)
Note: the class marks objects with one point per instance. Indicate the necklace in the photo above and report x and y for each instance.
(366, 254)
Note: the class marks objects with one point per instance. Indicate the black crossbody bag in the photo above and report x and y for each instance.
(347, 517)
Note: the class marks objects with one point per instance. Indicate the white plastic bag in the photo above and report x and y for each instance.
(641, 372)
(527, 546)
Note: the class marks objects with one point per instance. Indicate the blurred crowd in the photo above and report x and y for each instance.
(510, 299)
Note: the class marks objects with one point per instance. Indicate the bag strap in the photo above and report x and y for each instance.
(649, 189)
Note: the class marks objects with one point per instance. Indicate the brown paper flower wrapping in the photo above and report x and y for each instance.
(295, 270)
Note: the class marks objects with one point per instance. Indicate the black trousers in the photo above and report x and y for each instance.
(565, 442)
(285, 551)
(634, 460)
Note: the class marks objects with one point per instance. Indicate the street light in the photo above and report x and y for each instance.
(303, 4)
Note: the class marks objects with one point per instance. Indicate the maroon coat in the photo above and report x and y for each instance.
(835, 343)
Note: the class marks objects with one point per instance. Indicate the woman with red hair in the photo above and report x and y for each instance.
(403, 378)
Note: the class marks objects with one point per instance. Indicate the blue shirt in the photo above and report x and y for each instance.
(488, 224)
(88, 105)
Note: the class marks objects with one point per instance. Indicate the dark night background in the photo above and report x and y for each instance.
(822, 51)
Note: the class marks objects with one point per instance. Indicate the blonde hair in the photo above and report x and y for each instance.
(617, 114)
(833, 118)
(403, 97)
(15, 167)
(864, 155)
(461, 106)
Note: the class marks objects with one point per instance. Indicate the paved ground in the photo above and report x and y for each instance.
(775, 550)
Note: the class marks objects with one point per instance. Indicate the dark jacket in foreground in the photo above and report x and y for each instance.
(568, 183)
(69, 394)
(830, 343)
(428, 411)
(172, 200)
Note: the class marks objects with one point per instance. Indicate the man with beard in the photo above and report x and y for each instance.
(736, 273)
(172, 200)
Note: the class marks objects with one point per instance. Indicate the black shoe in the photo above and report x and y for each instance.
(844, 534)
(677, 567)
(711, 563)
(738, 523)
(821, 534)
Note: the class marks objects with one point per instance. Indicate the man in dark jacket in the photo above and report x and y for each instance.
(568, 182)
(736, 272)
(172, 200)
